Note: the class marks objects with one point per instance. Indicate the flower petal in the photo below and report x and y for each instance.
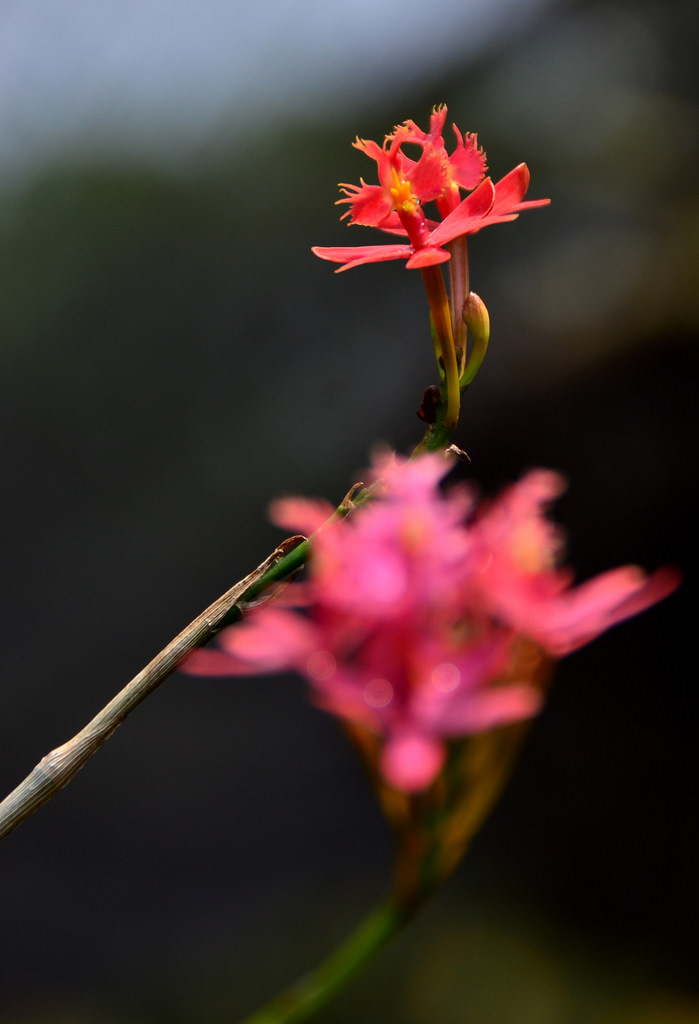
(491, 707)
(467, 162)
(468, 215)
(427, 257)
(581, 614)
(510, 191)
(354, 256)
(369, 205)
(270, 640)
(303, 515)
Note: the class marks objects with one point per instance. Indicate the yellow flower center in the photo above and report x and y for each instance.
(402, 194)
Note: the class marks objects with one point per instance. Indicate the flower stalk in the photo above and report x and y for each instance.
(316, 989)
(433, 830)
(440, 311)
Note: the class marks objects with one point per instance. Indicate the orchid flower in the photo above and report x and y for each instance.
(396, 205)
(416, 607)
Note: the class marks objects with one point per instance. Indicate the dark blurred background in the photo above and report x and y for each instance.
(173, 357)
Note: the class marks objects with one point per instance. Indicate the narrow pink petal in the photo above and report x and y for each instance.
(345, 253)
(530, 204)
(270, 640)
(372, 149)
(410, 479)
(490, 707)
(354, 256)
(537, 488)
(511, 189)
(583, 613)
(467, 215)
(489, 220)
(302, 515)
(437, 119)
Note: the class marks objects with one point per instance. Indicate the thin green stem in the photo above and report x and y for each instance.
(441, 317)
(316, 988)
(436, 438)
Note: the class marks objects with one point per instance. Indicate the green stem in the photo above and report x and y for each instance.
(282, 567)
(441, 317)
(315, 989)
(436, 438)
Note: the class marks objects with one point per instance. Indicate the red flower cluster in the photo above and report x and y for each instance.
(396, 204)
(415, 608)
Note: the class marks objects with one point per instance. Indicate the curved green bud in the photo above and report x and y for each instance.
(477, 320)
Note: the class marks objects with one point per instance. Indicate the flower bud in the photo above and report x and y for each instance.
(477, 320)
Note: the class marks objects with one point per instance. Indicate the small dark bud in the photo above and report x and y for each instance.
(430, 401)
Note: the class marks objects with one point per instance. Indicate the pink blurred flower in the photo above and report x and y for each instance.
(521, 582)
(415, 606)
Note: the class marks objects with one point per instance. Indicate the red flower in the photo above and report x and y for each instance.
(467, 164)
(396, 204)
(426, 238)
